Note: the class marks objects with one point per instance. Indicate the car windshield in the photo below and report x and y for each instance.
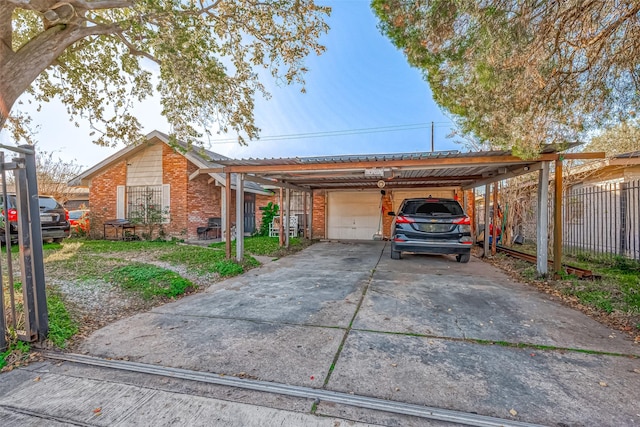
(433, 208)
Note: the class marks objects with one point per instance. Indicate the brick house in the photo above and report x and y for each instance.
(156, 174)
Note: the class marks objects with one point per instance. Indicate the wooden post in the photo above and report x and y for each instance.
(281, 225)
(542, 239)
(310, 214)
(472, 214)
(557, 219)
(287, 231)
(227, 210)
(304, 215)
(494, 220)
(487, 219)
(239, 217)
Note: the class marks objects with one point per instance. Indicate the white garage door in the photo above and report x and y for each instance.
(353, 215)
(400, 195)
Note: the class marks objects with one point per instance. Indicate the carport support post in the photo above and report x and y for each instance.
(471, 200)
(281, 224)
(494, 220)
(304, 215)
(227, 214)
(557, 219)
(239, 217)
(542, 239)
(310, 214)
(487, 219)
(287, 231)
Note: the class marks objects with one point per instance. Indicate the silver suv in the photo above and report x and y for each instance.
(432, 226)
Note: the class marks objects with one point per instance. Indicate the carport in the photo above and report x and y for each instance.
(440, 172)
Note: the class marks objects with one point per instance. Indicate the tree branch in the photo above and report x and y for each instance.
(134, 50)
(6, 37)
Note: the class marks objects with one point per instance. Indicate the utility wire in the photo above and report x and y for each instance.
(325, 134)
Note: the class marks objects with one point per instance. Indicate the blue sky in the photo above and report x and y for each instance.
(361, 82)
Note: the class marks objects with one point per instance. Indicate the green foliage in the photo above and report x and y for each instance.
(261, 245)
(210, 58)
(61, 325)
(149, 281)
(15, 347)
(522, 74)
(227, 268)
(268, 213)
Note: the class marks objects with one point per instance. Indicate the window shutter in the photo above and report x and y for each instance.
(166, 202)
(120, 202)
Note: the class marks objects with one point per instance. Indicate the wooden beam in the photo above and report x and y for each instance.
(511, 173)
(373, 181)
(194, 175)
(281, 225)
(263, 181)
(421, 163)
(583, 156)
(557, 220)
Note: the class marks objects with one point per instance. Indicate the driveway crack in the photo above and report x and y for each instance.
(348, 330)
(459, 328)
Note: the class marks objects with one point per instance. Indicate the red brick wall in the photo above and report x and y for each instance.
(262, 201)
(319, 214)
(175, 172)
(103, 196)
(387, 206)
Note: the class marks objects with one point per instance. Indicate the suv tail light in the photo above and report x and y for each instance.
(463, 221)
(66, 215)
(403, 220)
(12, 215)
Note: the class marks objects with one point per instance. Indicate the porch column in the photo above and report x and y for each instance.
(557, 219)
(472, 213)
(287, 230)
(494, 221)
(227, 218)
(542, 239)
(487, 219)
(239, 216)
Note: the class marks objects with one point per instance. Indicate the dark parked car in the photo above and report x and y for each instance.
(432, 226)
(54, 219)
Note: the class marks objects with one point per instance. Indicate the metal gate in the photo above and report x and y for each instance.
(23, 304)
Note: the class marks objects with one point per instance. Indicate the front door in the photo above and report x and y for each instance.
(249, 213)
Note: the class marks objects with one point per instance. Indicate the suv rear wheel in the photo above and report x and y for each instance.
(463, 257)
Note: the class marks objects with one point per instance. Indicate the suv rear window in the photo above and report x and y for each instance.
(48, 203)
(432, 207)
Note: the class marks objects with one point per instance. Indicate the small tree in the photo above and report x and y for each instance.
(268, 213)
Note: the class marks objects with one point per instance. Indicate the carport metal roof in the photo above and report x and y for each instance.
(397, 170)
(405, 170)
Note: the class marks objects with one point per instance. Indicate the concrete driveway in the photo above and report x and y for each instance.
(424, 330)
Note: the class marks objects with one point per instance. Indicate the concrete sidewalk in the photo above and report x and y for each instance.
(347, 318)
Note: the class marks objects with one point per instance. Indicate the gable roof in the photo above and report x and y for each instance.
(199, 156)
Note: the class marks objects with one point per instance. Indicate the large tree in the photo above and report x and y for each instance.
(205, 59)
(521, 73)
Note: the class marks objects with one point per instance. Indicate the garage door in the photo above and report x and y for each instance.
(353, 215)
(400, 195)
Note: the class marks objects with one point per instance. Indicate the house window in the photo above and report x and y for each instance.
(144, 203)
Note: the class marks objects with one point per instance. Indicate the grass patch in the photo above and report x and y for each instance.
(16, 350)
(61, 325)
(263, 245)
(205, 260)
(149, 281)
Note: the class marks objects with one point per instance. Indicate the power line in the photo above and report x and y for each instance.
(324, 134)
